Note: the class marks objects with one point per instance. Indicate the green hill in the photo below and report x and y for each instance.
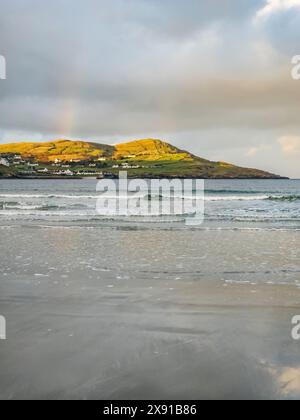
(65, 150)
(146, 158)
(150, 149)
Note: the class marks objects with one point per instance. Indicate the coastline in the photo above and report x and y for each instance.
(41, 177)
(145, 158)
(145, 177)
(127, 308)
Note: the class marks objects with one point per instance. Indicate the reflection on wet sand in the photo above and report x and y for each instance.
(288, 379)
(129, 314)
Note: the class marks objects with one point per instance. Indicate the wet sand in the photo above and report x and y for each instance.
(110, 313)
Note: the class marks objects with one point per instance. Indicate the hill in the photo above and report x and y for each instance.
(150, 149)
(143, 158)
(65, 150)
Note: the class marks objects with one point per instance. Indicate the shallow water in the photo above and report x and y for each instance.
(118, 309)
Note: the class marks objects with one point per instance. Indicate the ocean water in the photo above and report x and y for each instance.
(258, 203)
(149, 307)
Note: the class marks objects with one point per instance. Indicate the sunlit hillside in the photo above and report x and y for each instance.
(145, 158)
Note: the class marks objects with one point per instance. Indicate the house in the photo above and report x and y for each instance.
(68, 172)
(88, 173)
(127, 166)
(4, 162)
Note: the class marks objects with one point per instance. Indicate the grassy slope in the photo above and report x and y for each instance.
(61, 149)
(161, 159)
(6, 172)
(151, 150)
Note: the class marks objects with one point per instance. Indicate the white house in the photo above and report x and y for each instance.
(127, 166)
(68, 172)
(4, 162)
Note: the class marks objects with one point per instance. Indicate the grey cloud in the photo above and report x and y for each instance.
(240, 103)
(121, 68)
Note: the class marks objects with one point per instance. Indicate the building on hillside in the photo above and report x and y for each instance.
(4, 162)
(67, 172)
(127, 166)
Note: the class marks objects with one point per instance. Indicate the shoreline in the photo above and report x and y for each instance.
(166, 328)
(145, 177)
(41, 177)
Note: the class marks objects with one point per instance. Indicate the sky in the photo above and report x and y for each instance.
(212, 77)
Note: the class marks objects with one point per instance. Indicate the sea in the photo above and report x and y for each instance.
(228, 204)
(150, 307)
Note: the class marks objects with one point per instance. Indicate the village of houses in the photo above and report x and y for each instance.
(29, 167)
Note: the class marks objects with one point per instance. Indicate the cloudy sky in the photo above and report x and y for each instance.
(210, 76)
